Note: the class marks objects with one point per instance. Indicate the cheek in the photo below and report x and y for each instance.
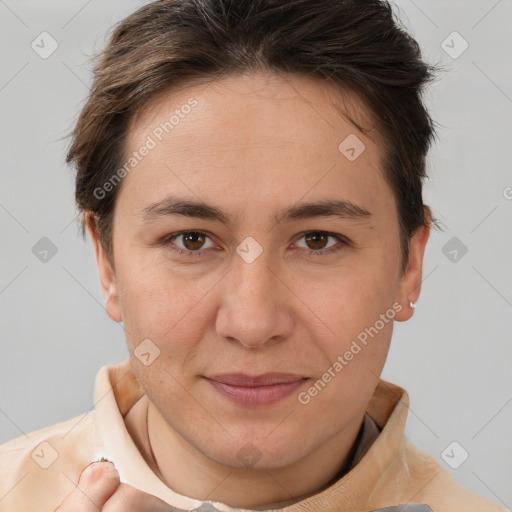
(158, 305)
(356, 305)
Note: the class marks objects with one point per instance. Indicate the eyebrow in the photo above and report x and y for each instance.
(198, 209)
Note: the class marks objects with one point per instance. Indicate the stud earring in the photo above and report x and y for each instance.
(411, 303)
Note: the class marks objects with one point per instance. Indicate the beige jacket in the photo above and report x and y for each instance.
(38, 470)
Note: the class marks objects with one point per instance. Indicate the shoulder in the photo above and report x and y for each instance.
(438, 488)
(40, 468)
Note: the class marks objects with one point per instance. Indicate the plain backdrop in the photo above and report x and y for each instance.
(453, 357)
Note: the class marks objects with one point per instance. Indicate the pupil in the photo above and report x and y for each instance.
(190, 238)
(315, 237)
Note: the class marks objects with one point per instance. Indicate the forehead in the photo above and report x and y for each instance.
(304, 106)
(252, 132)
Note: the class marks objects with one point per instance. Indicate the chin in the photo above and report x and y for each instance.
(257, 452)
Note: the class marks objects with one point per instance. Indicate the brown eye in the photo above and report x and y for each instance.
(193, 240)
(192, 243)
(317, 243)
(317, 240)
(187, 242)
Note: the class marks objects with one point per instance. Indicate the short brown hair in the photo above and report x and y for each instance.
(357, 45)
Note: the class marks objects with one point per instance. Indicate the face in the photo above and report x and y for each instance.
(254, 283)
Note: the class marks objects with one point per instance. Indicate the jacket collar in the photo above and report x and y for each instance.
(117, 389)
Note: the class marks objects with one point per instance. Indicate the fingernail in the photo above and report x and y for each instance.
(96, 470)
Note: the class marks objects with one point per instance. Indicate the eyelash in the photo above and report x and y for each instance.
(167, 241)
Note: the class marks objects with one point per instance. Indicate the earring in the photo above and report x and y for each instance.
(411, 303)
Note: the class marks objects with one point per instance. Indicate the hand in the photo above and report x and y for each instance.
(100, 489)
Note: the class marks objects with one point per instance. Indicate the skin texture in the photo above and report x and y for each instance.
(253, 145)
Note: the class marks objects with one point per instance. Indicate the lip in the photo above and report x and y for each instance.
(256, 390)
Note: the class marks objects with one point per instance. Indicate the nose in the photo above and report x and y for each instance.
(255, 308)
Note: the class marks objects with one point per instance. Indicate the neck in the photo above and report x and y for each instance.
(203, 478)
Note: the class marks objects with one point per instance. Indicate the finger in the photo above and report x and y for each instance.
(97, 483)
(129, 499)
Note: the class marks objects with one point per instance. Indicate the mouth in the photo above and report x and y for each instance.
(256, 390)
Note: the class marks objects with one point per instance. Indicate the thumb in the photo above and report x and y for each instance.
(97, 483)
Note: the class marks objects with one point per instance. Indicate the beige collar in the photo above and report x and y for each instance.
(117, 390)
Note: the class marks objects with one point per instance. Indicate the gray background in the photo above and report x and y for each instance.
(454, 355)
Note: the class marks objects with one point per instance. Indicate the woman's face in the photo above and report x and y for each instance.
(257, 291)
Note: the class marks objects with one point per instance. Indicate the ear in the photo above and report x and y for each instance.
(106, 273)
(410, 282)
